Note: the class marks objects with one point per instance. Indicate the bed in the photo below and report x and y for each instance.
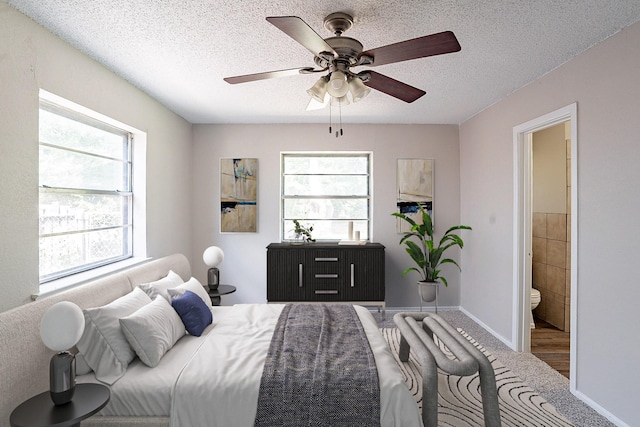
(210, 380)
(220, 374)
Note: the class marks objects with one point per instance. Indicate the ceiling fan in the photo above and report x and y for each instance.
(339, 54)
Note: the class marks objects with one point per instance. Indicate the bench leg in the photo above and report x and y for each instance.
(488, 387)
(403, 352)
(408, 340)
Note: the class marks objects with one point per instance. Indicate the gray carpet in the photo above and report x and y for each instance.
(538, 375)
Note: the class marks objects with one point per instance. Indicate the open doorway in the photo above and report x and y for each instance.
(551, 240)
(523, 226)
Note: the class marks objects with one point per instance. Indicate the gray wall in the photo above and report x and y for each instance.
(32, 58)
(245, 254)
(604, 83)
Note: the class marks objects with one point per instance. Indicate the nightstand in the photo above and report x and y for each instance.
(39, 411)
(215, 294)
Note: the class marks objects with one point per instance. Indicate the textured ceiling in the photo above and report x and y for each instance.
(178, 51)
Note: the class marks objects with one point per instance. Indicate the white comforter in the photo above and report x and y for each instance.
(213, 381)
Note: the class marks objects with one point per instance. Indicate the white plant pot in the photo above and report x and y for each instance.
(428, 290)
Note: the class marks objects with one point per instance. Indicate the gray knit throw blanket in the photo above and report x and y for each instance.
(320, 371)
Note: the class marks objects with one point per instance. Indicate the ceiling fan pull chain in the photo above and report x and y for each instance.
(330, 132)
(340, 114)
(340, 109)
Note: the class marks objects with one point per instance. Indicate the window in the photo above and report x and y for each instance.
(85, 208)
(326, 191)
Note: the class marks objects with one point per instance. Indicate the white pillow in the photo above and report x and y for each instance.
(194, 286)
(82, 367)
(159, 287)
(103, 344)
(153, 330)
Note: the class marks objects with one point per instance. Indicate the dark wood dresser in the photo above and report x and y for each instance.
(326, 272)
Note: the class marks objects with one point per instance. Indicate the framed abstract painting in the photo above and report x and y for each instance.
(238, 195)
(414, 187)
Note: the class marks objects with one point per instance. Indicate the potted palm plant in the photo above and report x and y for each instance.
(428, 256)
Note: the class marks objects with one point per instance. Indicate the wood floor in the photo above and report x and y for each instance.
(551, 345)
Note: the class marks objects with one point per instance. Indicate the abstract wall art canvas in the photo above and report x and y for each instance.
(238, 195)
(415, 187)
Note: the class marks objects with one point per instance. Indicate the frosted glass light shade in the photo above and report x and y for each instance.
(213, 256)
(318, 90)
(62, 326)
(358, 89)
(338, 86)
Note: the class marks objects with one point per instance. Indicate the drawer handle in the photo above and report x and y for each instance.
(352, 275)
(326, 276)
(329, 292)
(300, 275)
(326, 259)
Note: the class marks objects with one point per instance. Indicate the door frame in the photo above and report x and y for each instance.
(522, 269)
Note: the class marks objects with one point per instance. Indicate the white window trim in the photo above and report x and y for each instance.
(69, 282)
(139, 185)
(316, 153)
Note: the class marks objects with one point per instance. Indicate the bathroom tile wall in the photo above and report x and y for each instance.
(550, 268)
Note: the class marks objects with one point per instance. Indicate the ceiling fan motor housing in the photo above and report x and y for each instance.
(347, 49)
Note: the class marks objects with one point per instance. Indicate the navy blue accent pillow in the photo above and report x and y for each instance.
(193, 311)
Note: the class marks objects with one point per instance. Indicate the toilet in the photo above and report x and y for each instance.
(535, 300)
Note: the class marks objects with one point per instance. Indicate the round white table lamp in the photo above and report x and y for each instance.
(213, 256)
(61, 328)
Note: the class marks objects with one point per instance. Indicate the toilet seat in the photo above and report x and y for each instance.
(535, 296)
(535, 300)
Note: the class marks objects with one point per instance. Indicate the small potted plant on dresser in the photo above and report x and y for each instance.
(301, 233)
(424, 252)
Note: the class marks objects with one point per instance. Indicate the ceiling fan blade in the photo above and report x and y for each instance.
(301, 32)
(267, 75)
(393, 87)
(421, 47)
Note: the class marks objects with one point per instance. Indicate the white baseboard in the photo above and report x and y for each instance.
(599, 409)
(507, 342)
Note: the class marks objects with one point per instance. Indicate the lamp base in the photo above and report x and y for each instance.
(62, 377)
(213, 278)
(63, 397)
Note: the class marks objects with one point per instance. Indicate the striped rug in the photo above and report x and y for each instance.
(459, 402)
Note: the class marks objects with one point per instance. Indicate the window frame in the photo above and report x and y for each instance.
(368, 155)
(135, 211)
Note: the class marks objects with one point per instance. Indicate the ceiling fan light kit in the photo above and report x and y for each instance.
(336, 55)
(338, 86)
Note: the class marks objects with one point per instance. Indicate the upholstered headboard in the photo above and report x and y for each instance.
(24, 360)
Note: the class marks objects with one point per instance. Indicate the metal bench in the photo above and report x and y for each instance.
(417, 331)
